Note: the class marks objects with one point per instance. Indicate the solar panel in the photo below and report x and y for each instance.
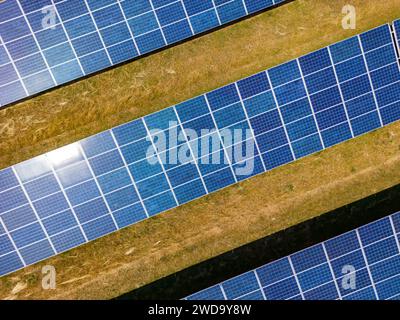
(396, 25)
(363, 264)
(47, 43)
(78, 193)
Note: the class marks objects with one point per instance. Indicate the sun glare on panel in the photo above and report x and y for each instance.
(65, 155)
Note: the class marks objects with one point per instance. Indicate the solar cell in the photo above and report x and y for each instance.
(362, 264)
(44, 44)
(396, 25)
(106, 182)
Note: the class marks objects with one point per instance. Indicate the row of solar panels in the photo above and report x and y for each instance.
(363, 264)
(78, 193)
(47, 43)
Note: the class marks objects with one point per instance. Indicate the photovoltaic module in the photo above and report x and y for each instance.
(81, 192)
(363, 264)
(47, 43)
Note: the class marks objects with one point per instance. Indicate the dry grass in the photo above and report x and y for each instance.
(242, 213)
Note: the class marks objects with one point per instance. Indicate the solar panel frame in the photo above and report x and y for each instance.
(53, 42)
(396, 32)
(106, 184)
(319, 272)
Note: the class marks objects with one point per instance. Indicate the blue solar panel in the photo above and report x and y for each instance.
(363, 264)
(48, 43)
(396, 25)
(119, 177)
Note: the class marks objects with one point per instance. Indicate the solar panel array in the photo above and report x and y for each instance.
(46, 43)
(78, 193)
(363, 264)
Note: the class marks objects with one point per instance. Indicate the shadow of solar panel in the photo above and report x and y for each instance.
(88, 189)
(363, 264)
(44, 44)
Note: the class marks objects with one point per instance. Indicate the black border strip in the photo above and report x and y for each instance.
(148, 54)
(270, 248)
